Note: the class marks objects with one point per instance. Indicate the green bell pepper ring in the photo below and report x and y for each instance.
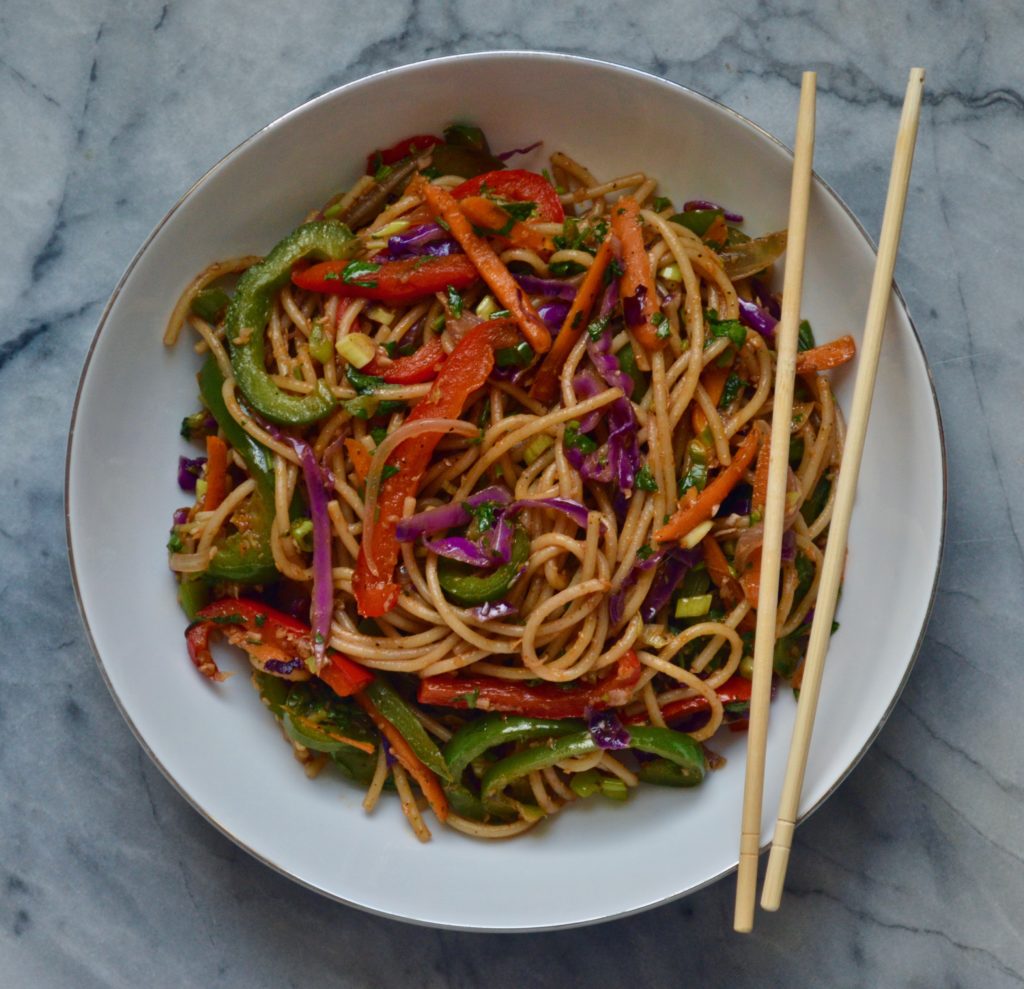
(477, 737)
(245, 557)
(467, 586)
(247, 315)
(394, 709)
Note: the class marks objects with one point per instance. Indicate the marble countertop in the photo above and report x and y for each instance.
(912, 874)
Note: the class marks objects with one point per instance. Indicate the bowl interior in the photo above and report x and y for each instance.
(215, 741)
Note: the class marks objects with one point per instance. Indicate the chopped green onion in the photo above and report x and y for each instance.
(390, 229)
(585, 784)
(693, 607)
(302, 532)
(805, 337)
(671, 273)
(358, 349)
(380, 315)
(645, 479)
(486, 306)
(537, 447)
(692, 539)
(454, 302)
(520, 355)
(614, 789)
(320, 345)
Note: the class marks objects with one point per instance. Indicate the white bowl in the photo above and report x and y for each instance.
(216, 743)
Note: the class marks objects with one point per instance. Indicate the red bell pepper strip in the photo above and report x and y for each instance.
(517, 185)
(735, 690)
(428, 782)
(268, 635)
(405, 148)
(493, 271)
(545, 700)
(421, 366)
(465, 370)
(395, 282)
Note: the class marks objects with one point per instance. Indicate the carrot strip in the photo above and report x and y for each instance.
(360, 457)
(760, 495)
(490, 266)
(216, 472)
(688, 516)
(718, 566)
(356, 743)
(750, 579)
(637, 283)
(717, 233)
(545, 385)
(410, 761)
(828, 355)
(490, 218)
(713, 379)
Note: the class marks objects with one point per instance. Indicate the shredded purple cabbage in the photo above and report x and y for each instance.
(573, 509)
(607, 731)
(321, 607)
(505, 155)
(737, 502)
(757, 319)
(283, 667)
(764, 298)
(553, 313)
(585, 385)
(462, 550)
(180, 516)
(425, 239)
(548, 287)
(633, 307)
(497, 540)
(788, 546)
(389, 756)
(623, 446)
(189, 469)
(674, 567)
(701, 204)
(447, 516)
(495, 610)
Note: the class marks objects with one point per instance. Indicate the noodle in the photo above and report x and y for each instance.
(543, 591)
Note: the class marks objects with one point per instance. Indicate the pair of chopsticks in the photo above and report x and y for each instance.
(774, 511)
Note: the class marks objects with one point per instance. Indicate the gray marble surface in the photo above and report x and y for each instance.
(911, 875)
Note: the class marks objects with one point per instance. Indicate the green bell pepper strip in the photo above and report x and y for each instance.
(664, 772)
(526, 761)
(475, 738)
(245, 557)
(467, 586)
(397, 711)
(465, 803)
(247, 315)
(193, 594)
(679, 749)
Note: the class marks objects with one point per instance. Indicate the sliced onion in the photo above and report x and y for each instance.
(406, 431)
(743, 260)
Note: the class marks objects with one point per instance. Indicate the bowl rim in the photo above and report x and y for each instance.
(488, 55)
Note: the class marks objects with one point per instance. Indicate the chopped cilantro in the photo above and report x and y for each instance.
(731, 328)
(805, 337)
(733, 386)
(596, 329)
(576, 440)
(645, 479)
(454, 302)
(662, 202)
(355, 273)
(364, 384)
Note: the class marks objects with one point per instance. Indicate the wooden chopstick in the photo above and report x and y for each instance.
(835, 550)
(775, 507)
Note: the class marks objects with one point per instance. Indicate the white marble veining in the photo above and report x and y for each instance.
(911, 875)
